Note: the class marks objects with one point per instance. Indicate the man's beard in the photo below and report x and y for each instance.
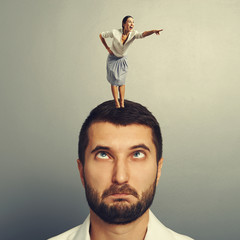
(119, 212)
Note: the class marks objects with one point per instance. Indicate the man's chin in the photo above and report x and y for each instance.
(121, 212)
(119, 206)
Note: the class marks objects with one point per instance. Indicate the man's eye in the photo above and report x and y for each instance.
(102, 155)
(138, 155)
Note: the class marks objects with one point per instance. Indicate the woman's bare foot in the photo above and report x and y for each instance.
(117, 104)
(122, 103)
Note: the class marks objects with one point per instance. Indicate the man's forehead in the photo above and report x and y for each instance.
(109, 133)
(106, 126)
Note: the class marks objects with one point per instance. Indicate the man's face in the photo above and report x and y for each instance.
(120, 172)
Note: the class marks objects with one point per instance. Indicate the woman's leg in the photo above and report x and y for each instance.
(122, 93)
(115, 95)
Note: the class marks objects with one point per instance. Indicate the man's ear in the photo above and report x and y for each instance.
(159, 169)
(81, 171)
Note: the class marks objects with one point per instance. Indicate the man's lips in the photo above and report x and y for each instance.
(122, 191)
(119, 197)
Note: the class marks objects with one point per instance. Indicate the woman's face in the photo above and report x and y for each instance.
(129, 25)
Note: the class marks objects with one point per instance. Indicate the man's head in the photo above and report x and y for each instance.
(133, 113)
(120, 161)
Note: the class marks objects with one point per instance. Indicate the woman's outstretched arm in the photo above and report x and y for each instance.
(148, 33)
(105, 44)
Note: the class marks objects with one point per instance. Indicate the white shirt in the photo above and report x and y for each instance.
(156, 231)
(118, 48)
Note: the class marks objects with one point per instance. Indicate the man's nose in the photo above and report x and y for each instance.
(120, 172)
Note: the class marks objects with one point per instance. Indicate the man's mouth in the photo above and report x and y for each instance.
(119, 192)
(120, 197)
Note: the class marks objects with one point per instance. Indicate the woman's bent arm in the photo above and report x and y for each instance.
(148, 33)
(105, 44)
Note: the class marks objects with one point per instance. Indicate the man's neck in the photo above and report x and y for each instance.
(135, 230)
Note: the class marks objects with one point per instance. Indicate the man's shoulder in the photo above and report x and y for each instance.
(178, 236)
(68, 235)
(158, 231)
(78, 232)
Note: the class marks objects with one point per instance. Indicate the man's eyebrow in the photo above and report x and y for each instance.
(99, 147)
(140, 146)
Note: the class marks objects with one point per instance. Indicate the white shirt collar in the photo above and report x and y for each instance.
(156, 230)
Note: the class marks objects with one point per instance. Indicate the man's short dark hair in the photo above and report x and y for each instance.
(132, 113)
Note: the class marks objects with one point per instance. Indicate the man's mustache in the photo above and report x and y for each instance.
(123, 189)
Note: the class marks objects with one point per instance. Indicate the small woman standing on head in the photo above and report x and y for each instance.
(117, 66)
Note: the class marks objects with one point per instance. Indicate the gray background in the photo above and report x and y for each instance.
(53, 72)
